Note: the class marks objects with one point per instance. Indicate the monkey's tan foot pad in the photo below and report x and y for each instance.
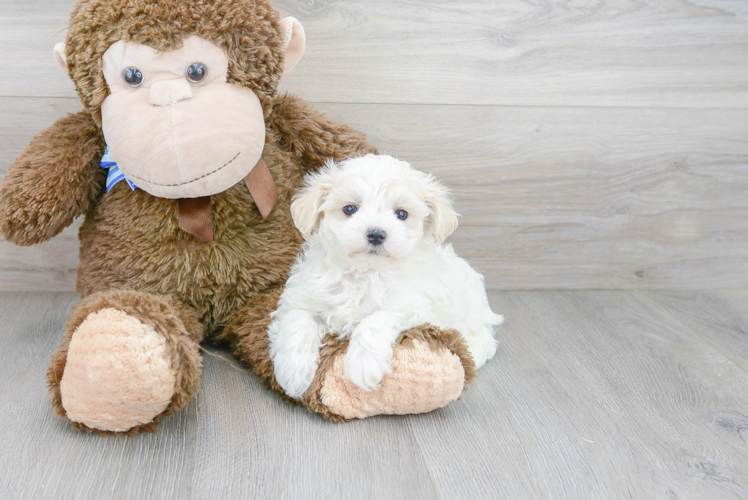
(429, 370)
(118, 374)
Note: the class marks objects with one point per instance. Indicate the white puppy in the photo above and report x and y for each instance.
(373, 266)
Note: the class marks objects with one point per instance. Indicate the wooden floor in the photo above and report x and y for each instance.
(598, 395)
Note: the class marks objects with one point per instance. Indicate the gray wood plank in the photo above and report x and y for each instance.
(43, 457)
(28, 33)
(642, 53)
(671, 53)
(551, 197)
(593, 395)
(260, 447)
(584, 198)
(718, 318)
(22, 118)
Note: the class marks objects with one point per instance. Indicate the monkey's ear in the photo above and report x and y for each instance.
(60, 57)
(295, 42)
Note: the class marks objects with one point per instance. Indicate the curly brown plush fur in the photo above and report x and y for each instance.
(52, 182)
(247, 31)
(134, 257)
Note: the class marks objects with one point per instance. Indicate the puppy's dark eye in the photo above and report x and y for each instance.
(196, 72)
(350, 209)
(401, 214)
(133, 77)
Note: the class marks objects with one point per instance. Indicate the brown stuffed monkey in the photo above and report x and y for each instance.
(197, 244)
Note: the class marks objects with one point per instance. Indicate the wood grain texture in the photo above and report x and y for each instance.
(625, 53)
(557, 188)
(616, 395)
(286, 452)
(584, 198)
(546, 53)
(28, 33)
(550, 197)
(595, 395)
(717, 320)
(41, 456)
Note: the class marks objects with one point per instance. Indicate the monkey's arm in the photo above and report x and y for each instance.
(312, 137)
(55, 179)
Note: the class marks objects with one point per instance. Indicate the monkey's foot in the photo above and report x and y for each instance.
(117, 372)
(430, 368)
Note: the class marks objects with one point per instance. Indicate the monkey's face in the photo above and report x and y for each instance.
(174, 125)
(183, 115)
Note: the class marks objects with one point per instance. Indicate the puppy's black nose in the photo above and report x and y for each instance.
(375, 236)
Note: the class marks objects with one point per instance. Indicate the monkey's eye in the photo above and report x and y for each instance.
(133, 77)
(350, 209)
(196, 72)
(401, 214)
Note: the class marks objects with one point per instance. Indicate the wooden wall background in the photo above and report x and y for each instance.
(589, 144)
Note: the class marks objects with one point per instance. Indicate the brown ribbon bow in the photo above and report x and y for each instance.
(195, 216)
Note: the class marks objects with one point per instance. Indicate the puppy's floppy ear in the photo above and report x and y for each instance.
(443, 217)
(307, 203)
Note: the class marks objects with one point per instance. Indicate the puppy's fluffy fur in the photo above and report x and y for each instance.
(345, 283)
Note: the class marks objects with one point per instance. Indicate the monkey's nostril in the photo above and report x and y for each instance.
(375, 236)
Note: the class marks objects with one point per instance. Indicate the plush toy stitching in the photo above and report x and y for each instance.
(194, 180)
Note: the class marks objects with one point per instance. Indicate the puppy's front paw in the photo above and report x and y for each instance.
(294, 350)
(366, 368)
(294, 371)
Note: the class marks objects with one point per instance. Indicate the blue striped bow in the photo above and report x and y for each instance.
(115, 175)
